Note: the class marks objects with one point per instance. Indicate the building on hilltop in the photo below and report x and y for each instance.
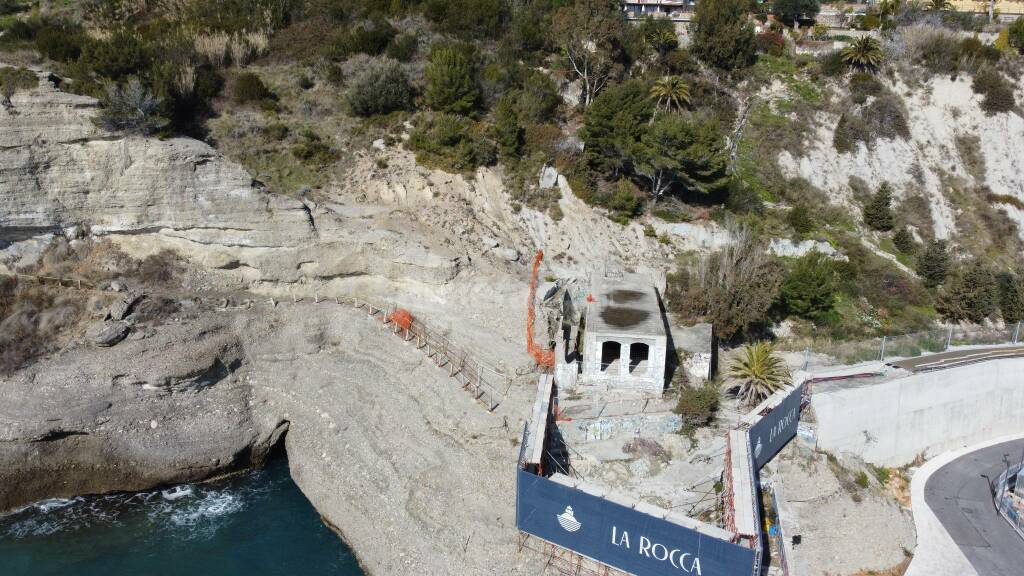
(673, 9)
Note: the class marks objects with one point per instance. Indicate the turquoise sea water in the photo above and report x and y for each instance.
(258, 524)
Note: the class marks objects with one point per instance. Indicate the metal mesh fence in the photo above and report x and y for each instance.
(907, 345)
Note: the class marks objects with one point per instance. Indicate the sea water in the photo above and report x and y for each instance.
(257, 524)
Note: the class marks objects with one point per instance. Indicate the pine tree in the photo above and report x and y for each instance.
(451, 79)
(722, 35)
(1011, 297)
(809, 290)
(507, 131)
(971, 295)
(800, 220)
(878, 211)
(904, 241)
(933, 265)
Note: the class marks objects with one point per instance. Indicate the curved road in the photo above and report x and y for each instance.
(961, 499)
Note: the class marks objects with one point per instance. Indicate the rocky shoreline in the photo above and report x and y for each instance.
(402, 463)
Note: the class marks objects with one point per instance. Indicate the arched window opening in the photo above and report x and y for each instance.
(610, 354)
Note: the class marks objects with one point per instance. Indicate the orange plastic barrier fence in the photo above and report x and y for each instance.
(543, 357)
(402, 318)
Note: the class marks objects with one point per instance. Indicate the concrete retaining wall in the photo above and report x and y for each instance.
(891, 422)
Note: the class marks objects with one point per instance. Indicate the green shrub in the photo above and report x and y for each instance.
(863, 85)
(276, 131)
(507, 131)
(809, 289)
(627, 200)
(334, 74)
(17, 30)
(799, 218)
(1015, 34)
(904, 241)
(681, 61)
(450, 142)
(850, 130)
(972, 49)
(997, 92)
(862, 479)
(380, 89)
(467, 18)
(15, 79)
(832, 63)
(61, 43)
(940, 53)
(403, 47)
(537, 100)
(722, 36)
(451, 79)
(249, 87)
(541, 138)
(881, 473)
(884, 117)
(370, 38)
(121, 55)
(869, 21)
(887, 118)
(312, 150)
(696, 406)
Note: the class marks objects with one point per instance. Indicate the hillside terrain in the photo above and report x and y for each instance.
(204, 175)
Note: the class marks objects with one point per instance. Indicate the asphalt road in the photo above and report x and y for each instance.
(958, 358)
(962, 501)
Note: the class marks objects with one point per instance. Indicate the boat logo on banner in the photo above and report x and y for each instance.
(567, 521)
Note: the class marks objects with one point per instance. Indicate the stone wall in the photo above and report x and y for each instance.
(618, 376)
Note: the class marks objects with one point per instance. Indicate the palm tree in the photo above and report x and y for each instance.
(939, 5)
(670, 92)
(758, 373)
(663, 40)
(888, 10)
(865, 53)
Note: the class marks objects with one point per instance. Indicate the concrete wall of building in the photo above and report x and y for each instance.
(649, 379)
(892, 422)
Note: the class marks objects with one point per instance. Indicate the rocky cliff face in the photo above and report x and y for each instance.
(951, 138)
(58, 170)
(91, 421)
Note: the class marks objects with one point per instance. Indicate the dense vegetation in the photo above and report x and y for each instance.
(640, 125)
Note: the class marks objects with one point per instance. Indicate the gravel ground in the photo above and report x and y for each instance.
(841, 536)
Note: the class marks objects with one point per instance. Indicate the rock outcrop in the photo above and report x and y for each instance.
(169, 408)
(58, 170)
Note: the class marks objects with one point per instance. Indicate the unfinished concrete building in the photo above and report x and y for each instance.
(624, 339)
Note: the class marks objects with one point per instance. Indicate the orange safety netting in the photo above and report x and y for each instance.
(401, 317)
(543, 357)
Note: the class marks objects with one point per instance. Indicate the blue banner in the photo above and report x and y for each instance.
(776, 429)
(622, 537)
